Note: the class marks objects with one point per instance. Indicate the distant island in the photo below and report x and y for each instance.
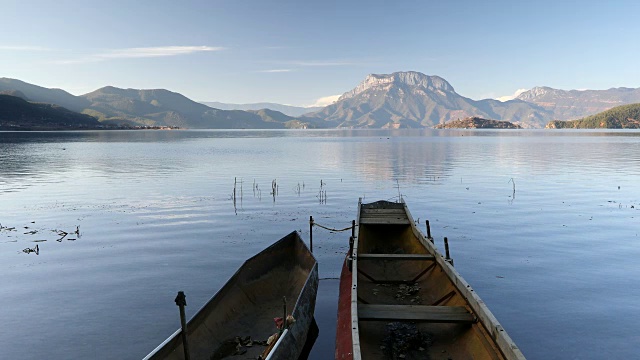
(619, 117)
(477, 123)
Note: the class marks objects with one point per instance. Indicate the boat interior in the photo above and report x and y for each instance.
(247, 304)
(407, 304)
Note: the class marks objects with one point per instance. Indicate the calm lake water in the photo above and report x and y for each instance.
(543, 224)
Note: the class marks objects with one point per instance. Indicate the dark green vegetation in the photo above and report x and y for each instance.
(477, 123)
(16, 113)
(620, 117)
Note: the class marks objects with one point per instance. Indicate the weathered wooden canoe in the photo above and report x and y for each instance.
(247, 305)
(400, 296)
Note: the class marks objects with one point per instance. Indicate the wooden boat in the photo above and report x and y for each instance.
(247, 305)
(400, 298)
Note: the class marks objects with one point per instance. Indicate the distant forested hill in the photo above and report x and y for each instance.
(19, 114)
(619, 117)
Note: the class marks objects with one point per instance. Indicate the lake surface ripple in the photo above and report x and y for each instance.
(543, 224)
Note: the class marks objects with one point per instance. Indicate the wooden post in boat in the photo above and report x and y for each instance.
(311, 233)
(446, 250)
(353, 229)
(181, 301)
(429, 231)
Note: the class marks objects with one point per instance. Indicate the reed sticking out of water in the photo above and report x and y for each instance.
(399, 194)
(233, 196)
(256, 190)
(322, 194)
(274, 189)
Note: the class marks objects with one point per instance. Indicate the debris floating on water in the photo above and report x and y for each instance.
(35, 250)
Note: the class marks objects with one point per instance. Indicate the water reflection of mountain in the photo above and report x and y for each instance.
(410, 159)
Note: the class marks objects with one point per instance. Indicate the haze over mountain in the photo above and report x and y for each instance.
(572, 104)
(44, 95)
(285, 109)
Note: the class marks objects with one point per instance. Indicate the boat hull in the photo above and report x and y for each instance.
(248, 303)
(344, 344)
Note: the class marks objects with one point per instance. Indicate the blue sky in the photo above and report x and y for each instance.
(295, 52)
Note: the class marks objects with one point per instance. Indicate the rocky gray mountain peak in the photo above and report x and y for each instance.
(408, 78)
(534, 93)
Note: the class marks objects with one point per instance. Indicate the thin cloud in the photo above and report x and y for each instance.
(325, 101)
(155, 51)
(276, 71)
(321, 63)
(511, 97)
(23, 48)
(142, 52)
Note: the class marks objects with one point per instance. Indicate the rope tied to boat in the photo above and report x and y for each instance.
(332, 229)
(312, 223)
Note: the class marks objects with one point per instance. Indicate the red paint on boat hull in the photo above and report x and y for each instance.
(344, 345)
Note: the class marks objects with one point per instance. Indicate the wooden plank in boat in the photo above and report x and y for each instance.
(424, 313)
(395, 257)
(377, 216)
(384, 211)
(384, 221)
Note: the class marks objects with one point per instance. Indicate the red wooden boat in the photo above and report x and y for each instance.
(401, 299)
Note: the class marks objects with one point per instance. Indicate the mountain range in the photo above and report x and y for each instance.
(158, 107)
(574, 104)
(414, 100)
(399, 100)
